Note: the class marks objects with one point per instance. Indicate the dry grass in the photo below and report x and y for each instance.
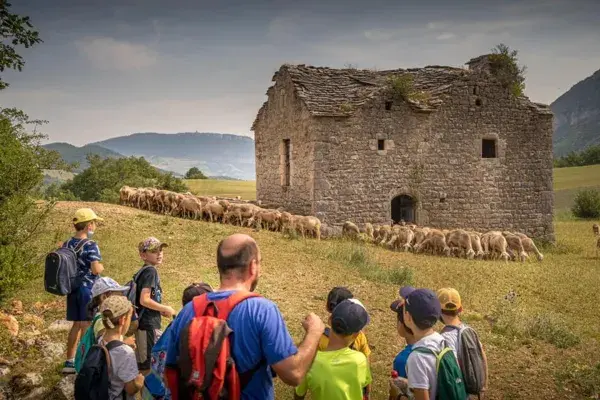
(529, 342)
(212, 187)
(568, 181)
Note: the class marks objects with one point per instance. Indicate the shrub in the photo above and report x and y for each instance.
(587, 204)
(504, 65)
(103, 179)
(195, 173)
(402, 87)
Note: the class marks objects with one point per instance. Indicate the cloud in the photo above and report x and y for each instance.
(446, 36)
(108, 53)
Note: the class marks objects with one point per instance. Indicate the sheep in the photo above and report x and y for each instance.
(308, 224)
(435, 242)
(350, 230)
(125, 195)
(596, 229)
(404, 239)
(369, 230)
(515, 244)
(462, 240)
(268, 218)
(286, 222)
(529, 246)
(476, 244)
(190, 207)
(494, 244)
(420, 235)
(214, 211)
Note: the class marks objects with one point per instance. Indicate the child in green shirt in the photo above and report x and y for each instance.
(339, 373)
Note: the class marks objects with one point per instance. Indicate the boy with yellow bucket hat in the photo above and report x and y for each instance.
(88, 261)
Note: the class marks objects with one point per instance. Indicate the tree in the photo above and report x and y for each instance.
(587, 204)
(21, 160)
(504, 64)
(195, 173)
(103, 179)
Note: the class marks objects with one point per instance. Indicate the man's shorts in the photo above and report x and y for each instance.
(77, 303)
(144, 342)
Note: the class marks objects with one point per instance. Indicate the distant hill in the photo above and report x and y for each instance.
(71, 153)
(577, 117)
(215, 154)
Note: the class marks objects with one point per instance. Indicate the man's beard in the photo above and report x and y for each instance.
(254, 284)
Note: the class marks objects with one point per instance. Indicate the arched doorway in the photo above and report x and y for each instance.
(403, 208)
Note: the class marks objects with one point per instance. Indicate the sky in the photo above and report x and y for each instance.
(109, 68)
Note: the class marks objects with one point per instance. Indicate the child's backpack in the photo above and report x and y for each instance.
(93, 380)
(154, 384)
(450, 385)
(132, 292)
(61, 274)
(206, 366)
(85, 343)
(470, 358)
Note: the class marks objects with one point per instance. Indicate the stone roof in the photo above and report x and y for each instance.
(329, 92)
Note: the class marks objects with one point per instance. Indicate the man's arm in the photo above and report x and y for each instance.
(293, 369)
(420, 394)
(96, 267)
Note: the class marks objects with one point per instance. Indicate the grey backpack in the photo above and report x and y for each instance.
(470, 358)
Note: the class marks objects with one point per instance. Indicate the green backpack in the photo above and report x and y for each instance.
(450, 384)
(87, 341)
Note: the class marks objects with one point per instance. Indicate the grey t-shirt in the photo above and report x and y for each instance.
(124, 369)
(451, 335)
(420, 367)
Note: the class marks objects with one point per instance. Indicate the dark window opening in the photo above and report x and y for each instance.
(287, 157)
(388, 105)
(403, 209)
(381, 144)
(442, 199)
(474, 89)
(488, 148)
(478, 102)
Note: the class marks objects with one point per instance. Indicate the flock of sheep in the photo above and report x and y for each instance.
(230, 211)
(451, 243)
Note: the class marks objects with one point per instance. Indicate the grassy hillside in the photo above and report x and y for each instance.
(545, 340)
(229, 188)
(72, 154)
(568, 181)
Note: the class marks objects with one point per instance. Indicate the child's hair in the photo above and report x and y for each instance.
(425, 324)
(93, 305)
(336, 296)
(400, 316)
(81, 226)
(109, 321)
(451, 313)
(195, 289)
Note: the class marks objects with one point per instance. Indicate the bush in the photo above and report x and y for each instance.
(587, 204)
(195, 173)
(103, 179)
(504, 65)
(589, 156)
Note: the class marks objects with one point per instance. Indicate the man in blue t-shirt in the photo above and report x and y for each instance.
(260, 338)
(88, 260)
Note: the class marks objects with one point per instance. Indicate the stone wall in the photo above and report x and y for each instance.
(437, 155)
(284, 118)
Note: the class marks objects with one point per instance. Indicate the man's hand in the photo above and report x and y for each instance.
(398, 386)
(312, 323)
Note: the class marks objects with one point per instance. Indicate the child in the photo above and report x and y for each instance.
(104, 288)
(88, 261)
(421, 312)
(339, 372)
(336, 296)
(148, 301)
(451, 308)
(125, 378)
(154, 385)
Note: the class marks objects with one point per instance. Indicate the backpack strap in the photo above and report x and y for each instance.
(135, 278)
(77, 249)
(220, 308)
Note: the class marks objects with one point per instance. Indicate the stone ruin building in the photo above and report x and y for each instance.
(438, 146)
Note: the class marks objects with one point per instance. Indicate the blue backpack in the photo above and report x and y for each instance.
(154, 385)
(61, 272)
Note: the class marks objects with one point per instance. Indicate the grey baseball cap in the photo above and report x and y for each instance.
(106, 284)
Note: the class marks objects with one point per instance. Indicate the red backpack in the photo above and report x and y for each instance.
(207, 369)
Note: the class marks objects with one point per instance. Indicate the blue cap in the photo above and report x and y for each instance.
(423, 306)
(349, 317)
(405, 291)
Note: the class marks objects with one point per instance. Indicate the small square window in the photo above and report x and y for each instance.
(381, 144)
(488, 148)
(388, 105)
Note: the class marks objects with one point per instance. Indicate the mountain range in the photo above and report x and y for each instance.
(217, 155)
(577, 117)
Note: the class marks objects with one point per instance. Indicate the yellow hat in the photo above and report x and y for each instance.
(449, 299)
(85, 215)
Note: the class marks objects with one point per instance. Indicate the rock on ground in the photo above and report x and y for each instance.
(31, 319)
(36, 394)
(53, 350)
(17, 307)
(60, 326)
(65, 389)
(10, 323)
(4, 371)
(25, 383)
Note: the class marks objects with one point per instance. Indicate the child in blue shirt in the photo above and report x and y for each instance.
(399, 385)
